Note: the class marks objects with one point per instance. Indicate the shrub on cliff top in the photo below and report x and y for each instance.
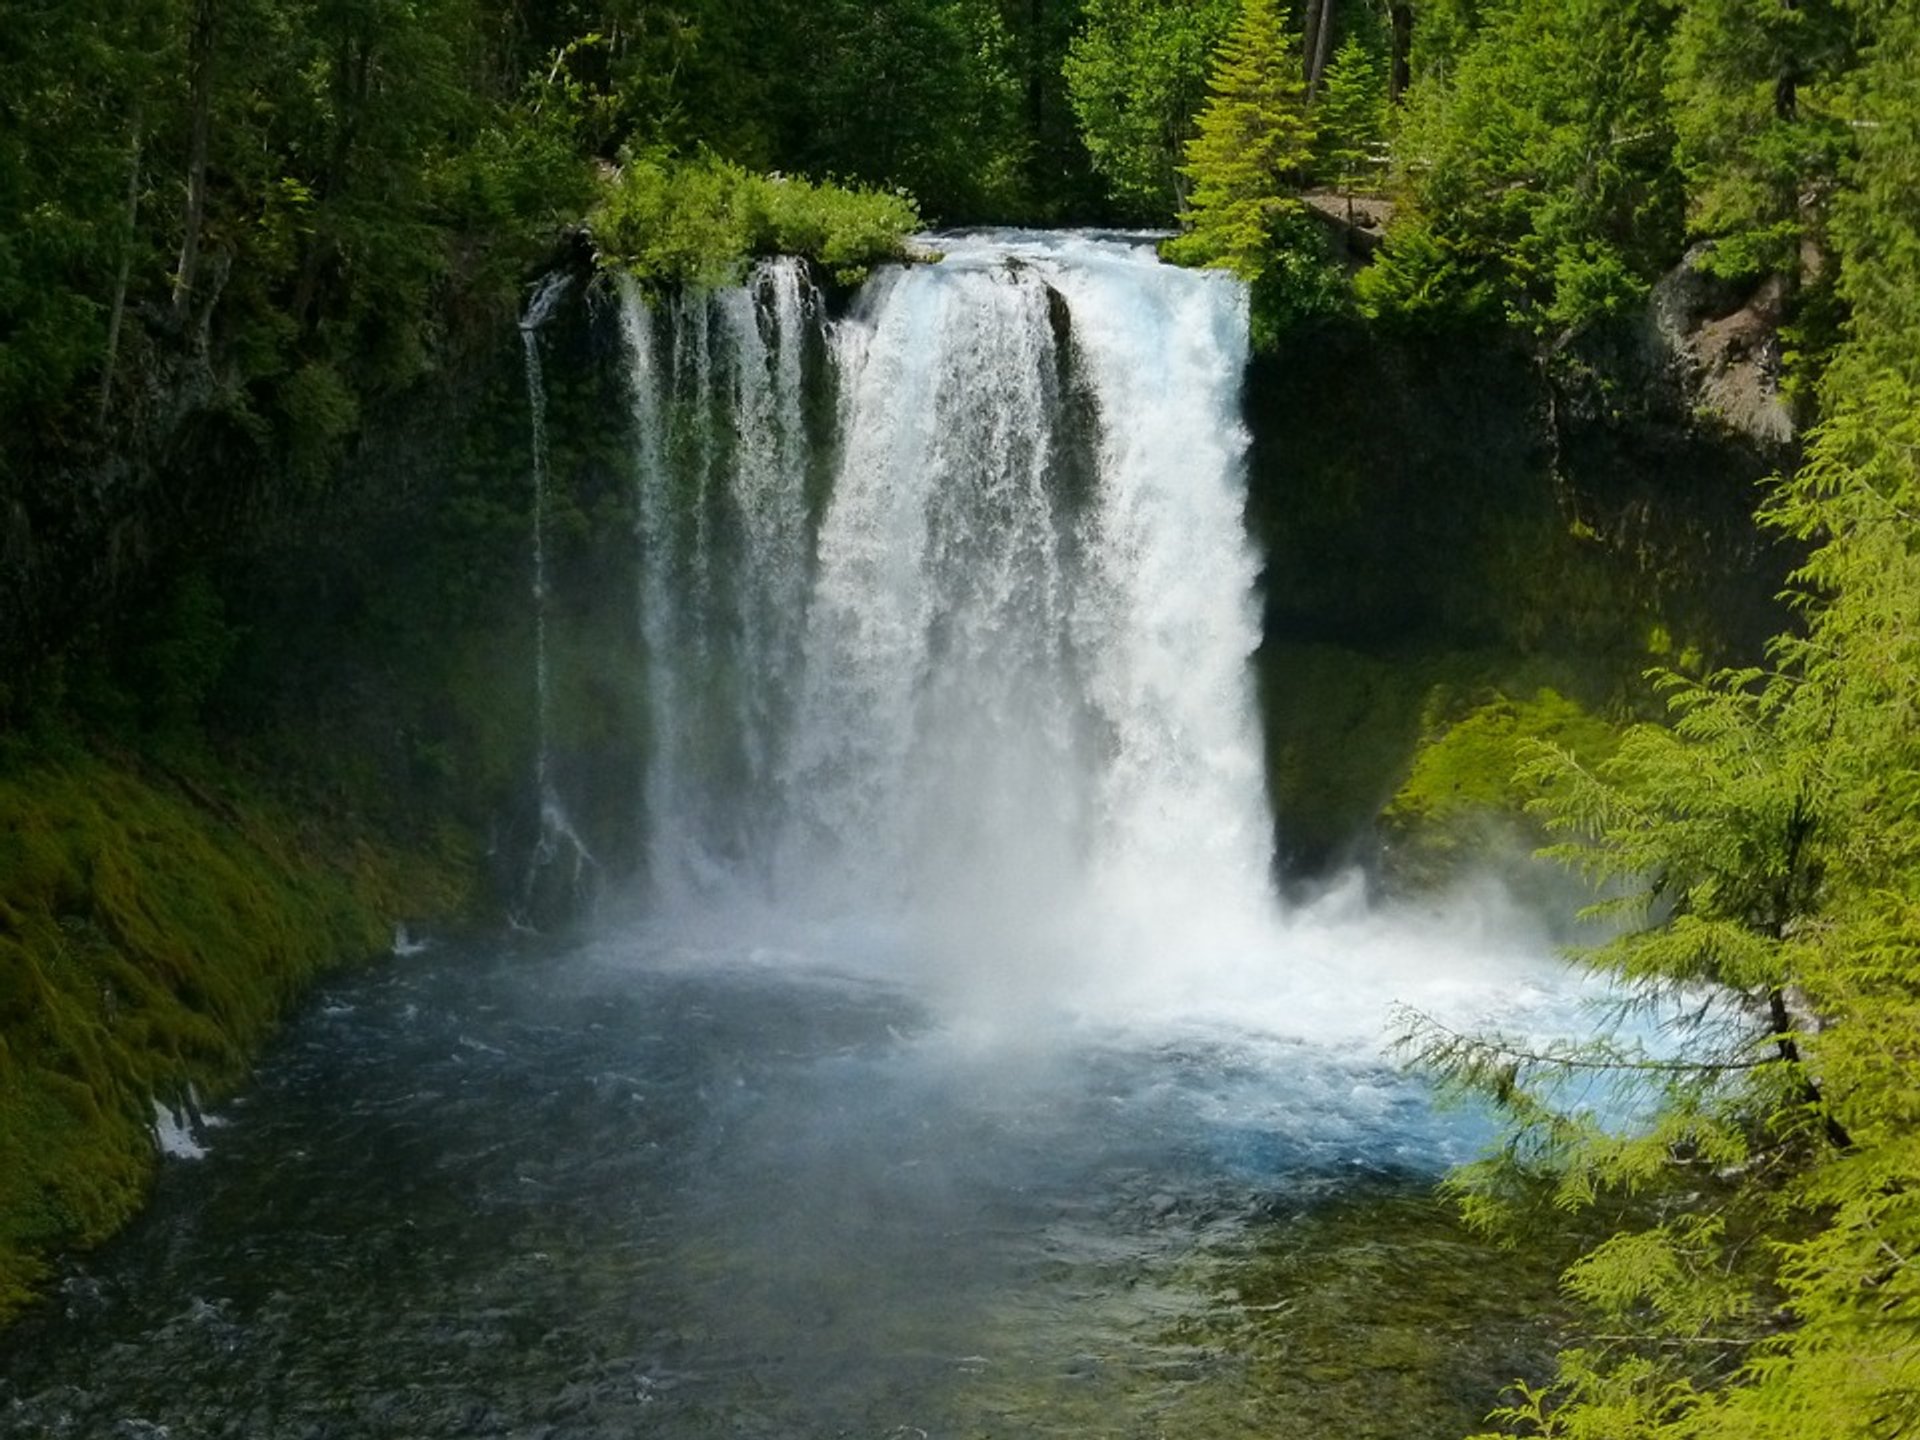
(700, 221)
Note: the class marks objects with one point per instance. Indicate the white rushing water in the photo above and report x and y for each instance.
(949, 608)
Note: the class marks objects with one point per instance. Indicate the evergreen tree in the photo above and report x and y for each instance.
(1351, 118)
(1441, 32)
(1253, 146)
(1537, 164)
(1757, 104)
(924, 94)
(1772, 837)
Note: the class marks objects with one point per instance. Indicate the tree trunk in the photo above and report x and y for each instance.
(1036, 67)
(127, 236)
(1780, 1020)
(1400, 68)
(200, 68)
(1800, 826)
(352, 69)
(1322, 48)
(1786, 85)
(1310, 38)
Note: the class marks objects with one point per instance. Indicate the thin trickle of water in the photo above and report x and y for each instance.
(694, 437)
(655, 540)
(723, 462)
(558, 842)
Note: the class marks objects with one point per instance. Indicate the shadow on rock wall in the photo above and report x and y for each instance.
(1445, 531)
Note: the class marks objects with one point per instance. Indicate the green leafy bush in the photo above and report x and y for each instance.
(701, 221)
(1463, 776)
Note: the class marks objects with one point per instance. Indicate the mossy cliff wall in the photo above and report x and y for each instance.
(1452, 523)
(296, 723)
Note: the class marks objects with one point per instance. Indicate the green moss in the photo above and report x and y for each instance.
(150, 936)
(1341, 727)
(1411, 750)
(1461, 786)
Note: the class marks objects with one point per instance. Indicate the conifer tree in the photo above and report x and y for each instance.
(1136, 75)
(1772, 837)
(1762, 131)
(1351, 118)
(1254, 143)
(1537, 162)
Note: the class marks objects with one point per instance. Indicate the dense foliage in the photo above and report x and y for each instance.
(1752, 1124)
(1539, 173)
(1253, 144)
(1552, 158)
(1136, 74)
(1765, 849)
(699, 221)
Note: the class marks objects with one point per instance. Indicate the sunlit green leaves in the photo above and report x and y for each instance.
(1255, 138)
(699, 221)
(1772, 831)
(1136, 74)
(1537, 159)
(1350, 120)
(1761, 122)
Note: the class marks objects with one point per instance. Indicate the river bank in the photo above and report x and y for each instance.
(157, 922)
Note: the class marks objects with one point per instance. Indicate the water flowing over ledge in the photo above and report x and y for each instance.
(947, 608)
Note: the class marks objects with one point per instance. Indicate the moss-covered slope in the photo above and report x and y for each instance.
(152, 928)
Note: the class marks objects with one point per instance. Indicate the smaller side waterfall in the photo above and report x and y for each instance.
(558, 842)
(717, 385)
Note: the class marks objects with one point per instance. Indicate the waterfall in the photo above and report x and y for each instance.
(997, 682)
(723, 460)
(557, 840)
